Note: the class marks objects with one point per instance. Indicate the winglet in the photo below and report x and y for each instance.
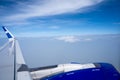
(8, 33)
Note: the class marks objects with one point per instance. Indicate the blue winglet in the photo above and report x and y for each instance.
(4, 28)
(9, 35)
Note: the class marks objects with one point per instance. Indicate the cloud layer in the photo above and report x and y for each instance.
(42, 8)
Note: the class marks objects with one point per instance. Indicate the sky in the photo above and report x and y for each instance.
(34, 18)
(80, 31)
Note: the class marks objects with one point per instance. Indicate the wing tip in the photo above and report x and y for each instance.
(4, 28)
(9, 35)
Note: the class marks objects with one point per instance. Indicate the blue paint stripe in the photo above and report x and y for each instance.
(8, 35)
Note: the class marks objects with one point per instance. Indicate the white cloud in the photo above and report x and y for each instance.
(70, 39)
(88, 39)
(17, 23)
(54, 27)
(49, 7)
(73, 39)
(116, 23)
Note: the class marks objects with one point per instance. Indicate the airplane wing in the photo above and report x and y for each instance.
(20, 69)
(45, 72)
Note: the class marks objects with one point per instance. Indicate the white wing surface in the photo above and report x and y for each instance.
(16, 66)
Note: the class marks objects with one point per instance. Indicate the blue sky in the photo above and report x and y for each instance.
(68, 22)
(35, 18)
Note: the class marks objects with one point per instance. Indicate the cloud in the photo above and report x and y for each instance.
(42, 8)
(70, 39)
(54, 27)
(73, 39)
(116, 23)
(88, 39)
